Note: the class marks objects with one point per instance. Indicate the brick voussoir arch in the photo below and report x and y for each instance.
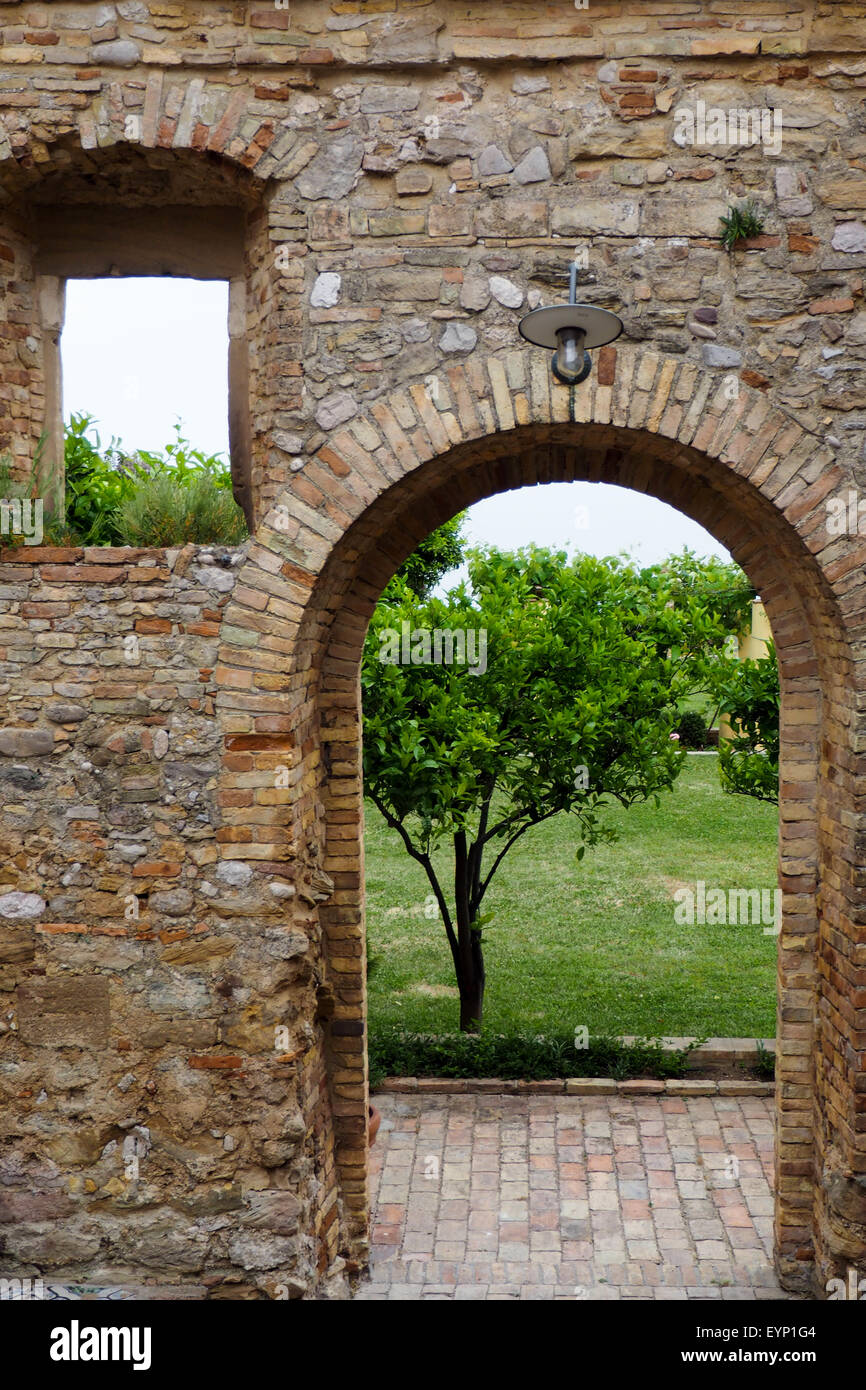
(749, 473)
(209, 121)
(764, 451)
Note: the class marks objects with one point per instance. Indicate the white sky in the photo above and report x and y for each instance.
(140, 353)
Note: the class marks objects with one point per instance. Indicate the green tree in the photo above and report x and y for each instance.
(441, 551)
(721, 588)
(749, 760)
(567, 699)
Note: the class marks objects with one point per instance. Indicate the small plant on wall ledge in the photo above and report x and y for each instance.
(740, 224)
(117, 497)
(31, 490)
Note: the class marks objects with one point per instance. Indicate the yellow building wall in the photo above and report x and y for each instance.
(752, 646)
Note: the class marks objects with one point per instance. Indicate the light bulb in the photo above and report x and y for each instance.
(571, 363)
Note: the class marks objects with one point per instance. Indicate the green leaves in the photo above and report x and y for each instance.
(440, 552)
(749, 761)
(587, 662)
(96, 485)
(115, 498)
(180, 461)
(740, 223)
(580, 671)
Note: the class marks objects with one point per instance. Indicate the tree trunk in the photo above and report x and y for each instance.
(466, 950)
(470, 980)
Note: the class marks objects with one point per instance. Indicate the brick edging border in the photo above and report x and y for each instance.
(573, 1086)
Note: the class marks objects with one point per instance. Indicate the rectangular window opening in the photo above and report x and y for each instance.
(140, 355)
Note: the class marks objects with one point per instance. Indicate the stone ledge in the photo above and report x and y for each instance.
(712, 1055)
(715, 1052)
(569, 1086)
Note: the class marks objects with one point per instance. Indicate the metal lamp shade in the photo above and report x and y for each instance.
(541, 325)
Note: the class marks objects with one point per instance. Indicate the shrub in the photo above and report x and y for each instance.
(97, 482)
(749, 760)
(144, 498)
(518, 1056)
(692, 730)
(166, 511)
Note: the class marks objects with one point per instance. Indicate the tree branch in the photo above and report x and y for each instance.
(423, 859)
(476, 849)
(499, 858)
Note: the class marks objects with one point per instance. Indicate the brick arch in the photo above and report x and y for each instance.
(210, 119)
(753, 477)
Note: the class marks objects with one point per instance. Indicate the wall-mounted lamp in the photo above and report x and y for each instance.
(570, 329)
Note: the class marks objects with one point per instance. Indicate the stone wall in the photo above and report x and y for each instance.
(414, 154)
(406, 180)
(144, 967)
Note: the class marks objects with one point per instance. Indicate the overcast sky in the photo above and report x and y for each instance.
(139, 354)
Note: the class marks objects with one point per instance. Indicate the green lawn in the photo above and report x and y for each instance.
(595, 942)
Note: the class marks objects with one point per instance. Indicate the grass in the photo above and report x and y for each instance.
(593, 943)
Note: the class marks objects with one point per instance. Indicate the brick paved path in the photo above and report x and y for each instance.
(545, 1197)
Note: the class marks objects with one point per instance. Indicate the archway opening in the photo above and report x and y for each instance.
(763, 541)
(587, 941)
(502, 1169)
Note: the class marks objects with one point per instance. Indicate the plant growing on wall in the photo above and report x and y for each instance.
(586, 661)
(96, 483)
(150, 499)
(165, 511)
(184, 463)
(741, 223)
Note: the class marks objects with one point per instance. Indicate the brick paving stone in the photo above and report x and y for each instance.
(483, 1197)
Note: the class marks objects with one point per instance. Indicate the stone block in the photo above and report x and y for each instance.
(273, 1211)
(332, 172)
(682, 214)
(33, 1206)
(26, 743)
(64, 1012)
(406, 283)
(590, 216)
(512, 217)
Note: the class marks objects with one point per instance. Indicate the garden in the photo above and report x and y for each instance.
(548, 806)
